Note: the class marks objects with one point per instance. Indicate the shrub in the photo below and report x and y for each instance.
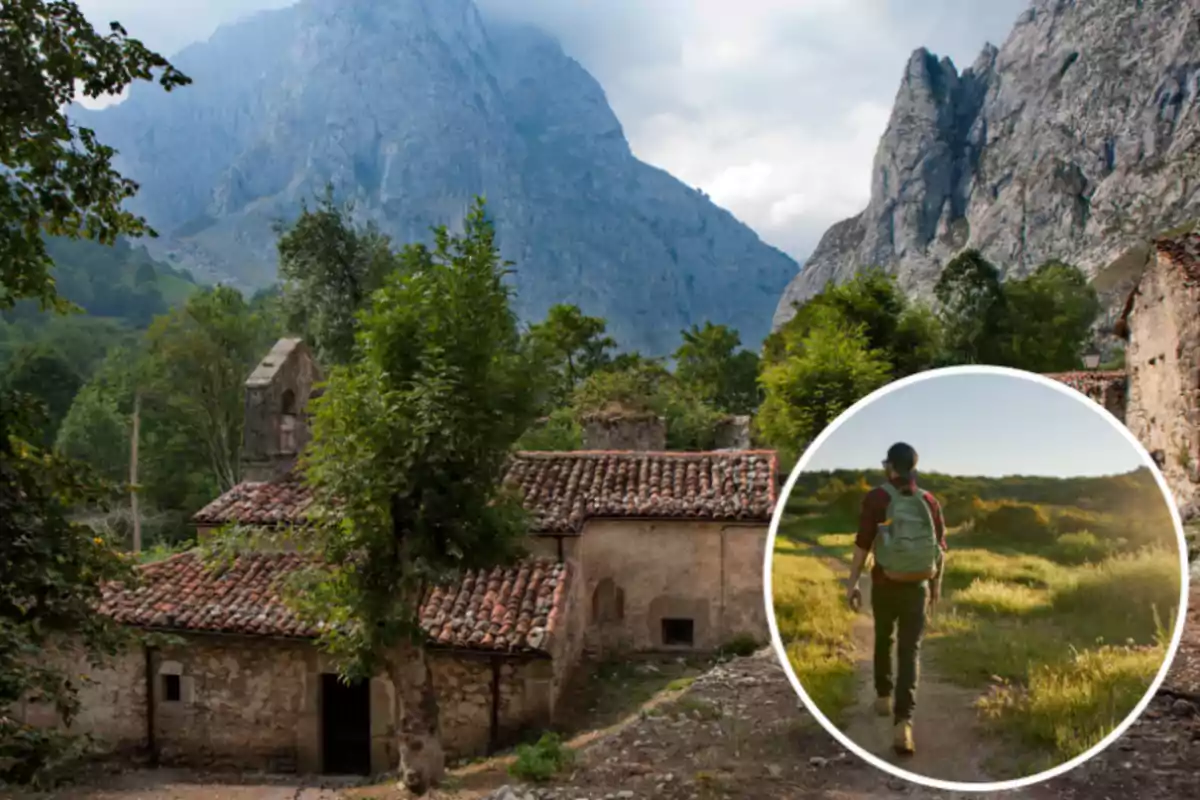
(1079, 548)
(740, 646)
(1016, 524)
(542, 760)
(1124, 597)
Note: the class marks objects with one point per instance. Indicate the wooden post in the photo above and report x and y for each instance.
(133, 474)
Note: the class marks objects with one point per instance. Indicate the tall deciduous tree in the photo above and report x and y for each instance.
(330, 266)
(410, 442)
(908, 333)
(55, 177)
(712, 363)
(571, 346)
(198, 357)
(1050, 316)
(973, 309)
(816, 377)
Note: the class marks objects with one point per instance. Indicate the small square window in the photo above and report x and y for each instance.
(678, 632)
(172, 690)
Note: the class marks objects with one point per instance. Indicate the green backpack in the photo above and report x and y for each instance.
(907, 543)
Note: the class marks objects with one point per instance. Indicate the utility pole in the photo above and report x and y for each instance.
(133, 474)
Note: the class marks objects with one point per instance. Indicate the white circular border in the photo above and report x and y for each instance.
(923, 780)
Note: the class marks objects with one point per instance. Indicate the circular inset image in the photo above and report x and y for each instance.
(976, 579)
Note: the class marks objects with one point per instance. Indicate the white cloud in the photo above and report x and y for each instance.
(774, 107)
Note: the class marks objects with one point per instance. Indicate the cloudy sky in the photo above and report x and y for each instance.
(773, 107)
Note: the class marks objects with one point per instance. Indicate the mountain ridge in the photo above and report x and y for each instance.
(1077, 139)
(411, 109)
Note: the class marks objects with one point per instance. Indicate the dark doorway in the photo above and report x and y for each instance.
(345, 726)
(678, 632)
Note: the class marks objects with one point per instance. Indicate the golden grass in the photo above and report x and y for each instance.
(815, 625)
(1069, 707)
(1074, 647)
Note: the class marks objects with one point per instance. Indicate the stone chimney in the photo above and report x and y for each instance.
(620, 429)
(733, 433)
(276, 428)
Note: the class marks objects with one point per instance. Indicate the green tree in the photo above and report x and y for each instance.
(1050, 314)
(96, 432)
(973, 310)
(909, 334)
(45, 373)
(51, 574)
(818, 376)
(410, 442)
(571, 347)
(645, 386)
(198, 357)
(57, 178)
(329, 266)
(711, 362)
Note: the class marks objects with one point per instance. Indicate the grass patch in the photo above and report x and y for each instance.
(679, 684)
(1066, 651)
(815, 626)
(1069, 707)
(1122, 600)
(541, 761)
(991, 597)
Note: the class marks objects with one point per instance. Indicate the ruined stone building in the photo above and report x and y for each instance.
(1157, 395)
(1161, 326)
(632, 548)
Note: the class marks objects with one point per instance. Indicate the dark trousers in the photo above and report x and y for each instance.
(899, 610)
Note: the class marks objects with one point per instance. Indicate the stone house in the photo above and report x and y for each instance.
(1161, 326)
(632, 549)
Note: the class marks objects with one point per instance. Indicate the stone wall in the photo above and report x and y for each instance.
(112, 698)
(624, 431)
(1163, 362)
(733, 433)
(276, 421)
(254, 704)
(636, 573)
(244, 703)
(1108, 389)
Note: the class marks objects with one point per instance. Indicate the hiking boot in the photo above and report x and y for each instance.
(883, 706)
(903, 743)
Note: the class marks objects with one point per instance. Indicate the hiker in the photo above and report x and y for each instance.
(902, 525)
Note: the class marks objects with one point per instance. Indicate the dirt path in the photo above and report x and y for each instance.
(950, 745)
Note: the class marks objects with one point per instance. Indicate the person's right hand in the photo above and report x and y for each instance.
(853, 596)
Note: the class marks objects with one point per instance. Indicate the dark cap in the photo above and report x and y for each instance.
(902, 458)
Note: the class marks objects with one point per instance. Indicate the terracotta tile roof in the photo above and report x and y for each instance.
(259, 503)
(1088, 382)
(561, 490)
(513, 609)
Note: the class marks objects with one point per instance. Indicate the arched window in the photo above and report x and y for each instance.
(287, 422)
(608, 603)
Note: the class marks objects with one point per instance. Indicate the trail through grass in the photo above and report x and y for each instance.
(1060, 643)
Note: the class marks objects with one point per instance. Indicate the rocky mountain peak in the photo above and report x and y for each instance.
(411, 108)
(1075, 140)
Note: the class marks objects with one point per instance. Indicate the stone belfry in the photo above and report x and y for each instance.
(276, 427)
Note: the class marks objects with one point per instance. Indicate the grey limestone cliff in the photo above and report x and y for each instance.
(411, 108)
(1076, 140)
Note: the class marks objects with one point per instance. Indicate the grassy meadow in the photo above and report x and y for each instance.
(1059, 600)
